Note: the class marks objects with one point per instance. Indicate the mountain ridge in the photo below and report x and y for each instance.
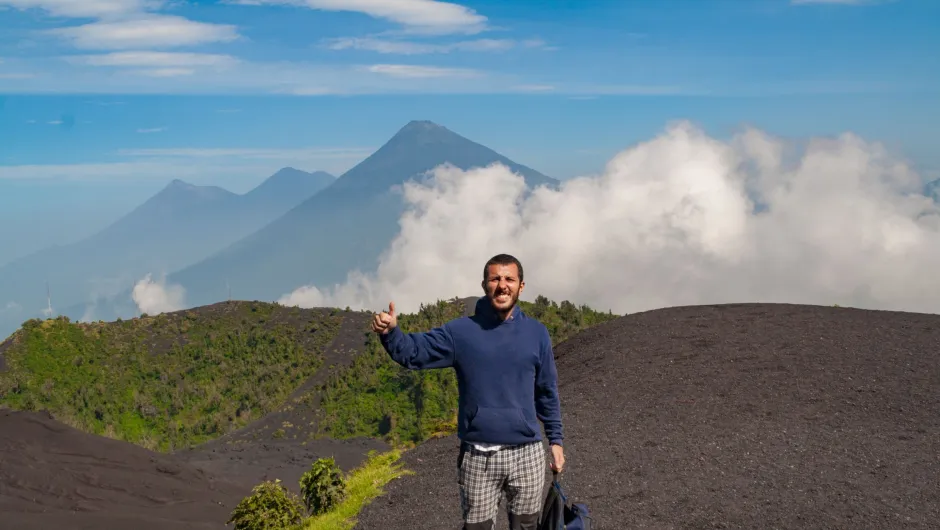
(293, 251)
(179, 224)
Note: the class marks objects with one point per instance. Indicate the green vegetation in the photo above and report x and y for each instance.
(169, 381)
(362, 485)
(376, 397)
(322, 487)
(271, 506)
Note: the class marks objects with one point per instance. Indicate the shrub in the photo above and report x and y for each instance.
(323, 487)
(269, 507)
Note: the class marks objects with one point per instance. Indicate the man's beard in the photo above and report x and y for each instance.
(513, 300)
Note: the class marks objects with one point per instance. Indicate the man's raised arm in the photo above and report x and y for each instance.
(415, 351)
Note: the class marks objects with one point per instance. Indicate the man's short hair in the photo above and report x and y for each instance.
(503, 259)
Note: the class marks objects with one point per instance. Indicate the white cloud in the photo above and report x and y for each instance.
(154, 298)
(418, 71)
(85, 8)
(670, 222)
(195, 165)
(246, 77)
(164, 72)
(534, 88)
(146, 31)
(418, 16)
(157, 64)
(155, 59)
(400, 47)
(151, 130)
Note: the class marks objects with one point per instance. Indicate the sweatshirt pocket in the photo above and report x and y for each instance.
(499, 422)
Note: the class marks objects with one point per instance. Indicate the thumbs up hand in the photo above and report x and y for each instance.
(385, 321)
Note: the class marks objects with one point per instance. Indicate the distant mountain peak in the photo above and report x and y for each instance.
(422, 125)
(418, 147)
(290, 183)
(180, 190)
(179, 184)
(287, 170)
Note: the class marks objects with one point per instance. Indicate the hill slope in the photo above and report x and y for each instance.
(336, 230)
(168, 381)
(54, 476)
(731, 416)
(179, 225)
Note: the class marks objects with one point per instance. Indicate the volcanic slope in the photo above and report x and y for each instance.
(55, 476)
(168, 381)
(731, 416)
(283, 443)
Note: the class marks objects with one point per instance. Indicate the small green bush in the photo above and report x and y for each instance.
(269, 507)
(323, 487)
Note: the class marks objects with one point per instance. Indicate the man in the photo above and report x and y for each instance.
(507, 382)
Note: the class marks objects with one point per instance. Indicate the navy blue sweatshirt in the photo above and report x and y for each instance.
(505, 373)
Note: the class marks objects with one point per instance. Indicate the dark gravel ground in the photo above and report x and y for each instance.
(732, 416)
(55, 477)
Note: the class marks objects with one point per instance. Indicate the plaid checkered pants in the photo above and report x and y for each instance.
(517, 471)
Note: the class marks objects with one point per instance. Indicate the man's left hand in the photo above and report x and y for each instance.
(558, 458)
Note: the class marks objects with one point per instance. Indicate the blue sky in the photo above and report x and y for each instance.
(107, 100)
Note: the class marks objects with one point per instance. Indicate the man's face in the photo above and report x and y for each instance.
(502, 286)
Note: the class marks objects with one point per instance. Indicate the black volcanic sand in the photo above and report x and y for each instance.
(54, 476)
(255, 454)
(732, 416)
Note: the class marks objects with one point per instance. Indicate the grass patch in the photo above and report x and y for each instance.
(363, 484)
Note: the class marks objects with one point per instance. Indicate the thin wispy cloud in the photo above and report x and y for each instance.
(151, 130)
(418, 71)
(155, 59)
(534, 88)
(131, 46)
(157, 64)
(144, 74)
(146, 31)
(251, 153)
(417, 16)
(85, 8)
(194, 164)
(400, 47)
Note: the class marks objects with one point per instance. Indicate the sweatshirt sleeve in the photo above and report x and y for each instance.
(418, 351)
(547, 403)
